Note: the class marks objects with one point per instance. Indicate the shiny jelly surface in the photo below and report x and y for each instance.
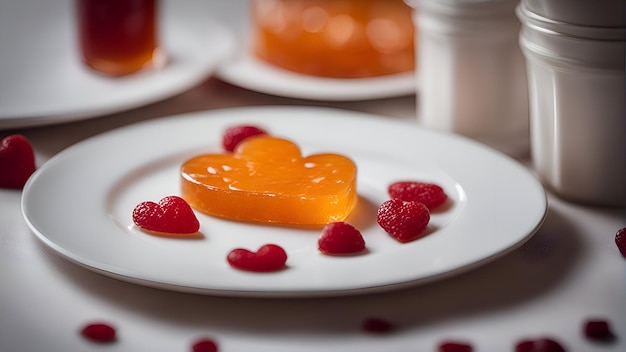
(334, 38)
(266, 179)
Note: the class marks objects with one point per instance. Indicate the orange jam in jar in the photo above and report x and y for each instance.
(117, 37)
(334, 38)
(268, 180)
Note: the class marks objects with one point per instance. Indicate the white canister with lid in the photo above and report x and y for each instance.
(576, 81)
(472, 74)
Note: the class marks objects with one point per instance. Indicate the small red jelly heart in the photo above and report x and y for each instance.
(340, 238)
(234, 135)
(269, 257)
(17, 161)
(432, 195)
(539, 345)
(204, 345)
(99, 332)
(455, 346)
(172, 215)
(404, 221)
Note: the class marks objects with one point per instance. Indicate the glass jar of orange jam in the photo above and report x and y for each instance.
(334, 38)
(117, 37)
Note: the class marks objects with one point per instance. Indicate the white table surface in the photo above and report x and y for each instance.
(568, 272)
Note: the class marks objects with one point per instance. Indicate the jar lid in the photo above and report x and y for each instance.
(563, 28)
(596, 13)
(466, 8)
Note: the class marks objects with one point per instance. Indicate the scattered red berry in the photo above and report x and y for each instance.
(205, 345)
(377, 325)
(99, 332)
(620, 241)
(17, 161)
(598, 330)
(171, 215)
(269, 257)
(233, 135)
(539, 345)
(455, 346)
(404, 221)
(340, 238)
(430, 194)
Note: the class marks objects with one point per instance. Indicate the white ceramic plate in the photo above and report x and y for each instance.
(245, 71)
(43, 81)
(80, 204)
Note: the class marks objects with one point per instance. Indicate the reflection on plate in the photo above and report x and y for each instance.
(245, 71)
(80, 204)
(42, 80)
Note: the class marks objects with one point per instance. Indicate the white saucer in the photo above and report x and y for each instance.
(43, 81)
(246, 71)
(80, 204)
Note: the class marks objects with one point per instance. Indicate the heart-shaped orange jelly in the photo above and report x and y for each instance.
(267, 179)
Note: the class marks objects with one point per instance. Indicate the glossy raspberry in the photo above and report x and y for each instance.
(340, 238)
(455, 346)
(172, 215)
(204, 345)
(269, 257)
(404, 221)
(233, 135)
(598, 330)
(377, 325)
(430, 194)
(539, 345)
(17, 161)
(620, 241)
(99, 332)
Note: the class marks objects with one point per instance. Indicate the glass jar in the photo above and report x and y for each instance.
(577, 86)
(117, 37)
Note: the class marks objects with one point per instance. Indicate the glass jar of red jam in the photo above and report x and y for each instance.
(117, 37)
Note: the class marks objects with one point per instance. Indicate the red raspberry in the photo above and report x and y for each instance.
(233, 135)
(17, 161)
(377, 325)
(452, 346)
(539, 345)
(205, 345)
(620, 241)
(340, 238)
(99, 332)
(404, 221)
(430, 194)
(598, 330)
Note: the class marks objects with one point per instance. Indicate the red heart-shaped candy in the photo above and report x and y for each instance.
(17, 161)
(404, 221)
(269, 257)
(340, 238)
(171, 215)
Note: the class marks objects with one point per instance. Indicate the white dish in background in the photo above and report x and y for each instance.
(80, 204)
(246, 71)
(43, 81)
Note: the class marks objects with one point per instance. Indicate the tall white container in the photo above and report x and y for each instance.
(576, 82)
(472, 74)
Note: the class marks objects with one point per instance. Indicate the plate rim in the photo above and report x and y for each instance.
(125, 276)
(219, 35)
